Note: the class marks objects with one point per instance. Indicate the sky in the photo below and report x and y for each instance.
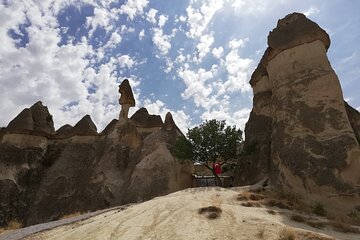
(193, 58)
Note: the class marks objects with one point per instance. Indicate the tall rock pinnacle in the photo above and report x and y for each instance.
(126, 99)
(299, 125)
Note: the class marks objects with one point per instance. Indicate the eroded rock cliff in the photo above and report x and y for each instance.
(300, 132)
(45, 175)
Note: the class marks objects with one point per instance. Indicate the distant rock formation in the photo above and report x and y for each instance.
(46, 176)
(85, 127)
(36, 119)
(126, 99)
(300, 133)
(146, 123)
(142, 118)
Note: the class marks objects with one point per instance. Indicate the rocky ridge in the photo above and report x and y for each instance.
(45, 175)
(300, 134)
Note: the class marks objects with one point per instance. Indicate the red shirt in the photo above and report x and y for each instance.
(217, 168)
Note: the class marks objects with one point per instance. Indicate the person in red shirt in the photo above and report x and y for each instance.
(217, 168)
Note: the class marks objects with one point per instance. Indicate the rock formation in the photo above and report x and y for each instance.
(45, 175)
(146, 123)
(142, 118)
(126, 99)
(36, 119)
(300, 133)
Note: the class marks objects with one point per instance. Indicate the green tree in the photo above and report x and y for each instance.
(209, 142)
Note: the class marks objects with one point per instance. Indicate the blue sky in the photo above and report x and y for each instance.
(192, 58)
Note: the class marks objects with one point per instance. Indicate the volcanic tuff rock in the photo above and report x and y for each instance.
(44, 175)
(300, 133)
(142, 118)
(36, 118)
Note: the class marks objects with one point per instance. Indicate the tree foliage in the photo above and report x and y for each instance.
(209, 141)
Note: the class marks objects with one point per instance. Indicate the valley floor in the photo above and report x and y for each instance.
(196, 213)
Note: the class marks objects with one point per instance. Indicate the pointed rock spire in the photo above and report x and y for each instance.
(36, 118)
(85, 127)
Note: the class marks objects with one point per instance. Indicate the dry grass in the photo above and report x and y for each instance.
(316, 224)
(287, 233)
(211, 212)
(277, 203)
(71, 215)
(343, 227)
(256, 197)
(251, 204)
(12, 225)
(261, 232)
(313, 236)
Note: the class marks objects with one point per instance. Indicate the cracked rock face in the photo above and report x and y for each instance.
(300, 132)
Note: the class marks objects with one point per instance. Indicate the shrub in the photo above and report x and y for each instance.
(286, 233)
(11, 225)
(343, 227)
(319, 209)
(212, 212)
(297, 218)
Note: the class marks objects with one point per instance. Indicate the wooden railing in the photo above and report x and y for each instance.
(207, 181)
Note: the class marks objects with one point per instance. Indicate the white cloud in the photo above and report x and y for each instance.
(180, 59)
(161, 41)
(238, 118)
(239, 70)
(169, 65)
(141, 34)
(197, 86)
(182, 18)
(133, 8)
(218, 52)
(162, 20)
(151, 15)
(198, 19)
(63, 77)
(102, 18)
(204, 46)
(253, 7)
(311, 11)
(125, 61)
(114, 40)
(235, 44)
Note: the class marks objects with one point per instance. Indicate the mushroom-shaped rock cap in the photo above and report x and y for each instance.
(85, 127)
(127, 96)
(36, 118)
(295, 29)
(142, 118)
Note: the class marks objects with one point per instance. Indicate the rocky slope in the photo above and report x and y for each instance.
(301, 134)
(46, 174)
(197, 213)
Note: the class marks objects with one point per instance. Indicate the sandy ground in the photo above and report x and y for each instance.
(176, 216)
